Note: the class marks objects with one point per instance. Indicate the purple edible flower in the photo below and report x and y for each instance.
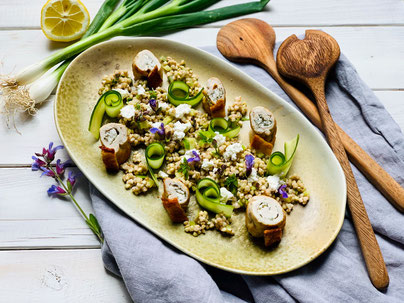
(153, 104)
(38, 163)
(196, 157)
(281, 190)
(71, 178)
(56, 190)
(49, 153)
(60, 167)
(47, 172)
(249, 162)
(161, 130)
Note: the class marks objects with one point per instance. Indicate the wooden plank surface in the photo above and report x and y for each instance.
(19, 14)
(29, 219)
(58, 276)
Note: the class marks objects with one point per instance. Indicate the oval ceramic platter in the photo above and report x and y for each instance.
(309, 230)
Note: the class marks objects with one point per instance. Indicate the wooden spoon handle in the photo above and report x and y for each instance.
(385, 183)
(370, 248)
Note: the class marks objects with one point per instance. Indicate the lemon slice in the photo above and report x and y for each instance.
(64, 20)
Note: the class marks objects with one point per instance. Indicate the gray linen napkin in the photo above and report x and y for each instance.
(153, 271)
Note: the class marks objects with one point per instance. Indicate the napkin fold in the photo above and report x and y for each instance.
(154, 271)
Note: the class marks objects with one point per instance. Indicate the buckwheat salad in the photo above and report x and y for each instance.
(159, 123)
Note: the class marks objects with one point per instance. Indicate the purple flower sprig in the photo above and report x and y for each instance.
(44, 162)
(161, 130)
(154, 104)
(195, 158)
(282, 191)
(249, 163)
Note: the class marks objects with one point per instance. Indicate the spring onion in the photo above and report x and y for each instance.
(131, 18)
(178, 93)
(208, 196)
(279, 163)
(110, 103)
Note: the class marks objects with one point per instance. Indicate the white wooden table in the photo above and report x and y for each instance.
(47, 253)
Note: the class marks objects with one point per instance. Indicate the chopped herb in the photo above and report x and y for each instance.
(206, 136)
(153, 94)
(231, 183)
(137, 106)
(184, 168)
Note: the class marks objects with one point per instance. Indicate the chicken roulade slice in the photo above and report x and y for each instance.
(263, 123)
(215, 98)
(175, 199)
(146, 65)
(115, 146)
(266, 218)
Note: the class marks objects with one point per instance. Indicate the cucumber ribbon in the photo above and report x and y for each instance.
(208, 196)
(223, 127)
(111, 103)
(178, 93)
(155, 154)
(280, 163)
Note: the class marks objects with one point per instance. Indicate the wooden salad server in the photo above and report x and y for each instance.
(252, 41)
(309, 61)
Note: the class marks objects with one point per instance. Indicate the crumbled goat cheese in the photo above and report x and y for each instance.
(180, 129)
(181, 110)
(232, 151)
(128, 111)
(273, 182)
(124, 93)
(156, 124)
(253, 177)
(220, 139)
(206, 164)
(225, 195)
(140, 90)
(163, 105)
(149, 108)
(162, 174)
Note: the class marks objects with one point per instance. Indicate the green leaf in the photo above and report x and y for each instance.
(184, 168)
(231, 183)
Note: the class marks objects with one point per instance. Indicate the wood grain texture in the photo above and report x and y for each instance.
(309, 60)
(30, 219)
(26, 14)
(237, 42)
(45, 276)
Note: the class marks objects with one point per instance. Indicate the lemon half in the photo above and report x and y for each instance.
(64, 20)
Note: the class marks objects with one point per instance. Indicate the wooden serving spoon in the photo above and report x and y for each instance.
(309, 61)
(252, 41)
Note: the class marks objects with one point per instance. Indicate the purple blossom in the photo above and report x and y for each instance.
(38, 163)
(249, 162)
(195, 158)
(281, 191)
(153, 104)
(56, 190)
(47, 172)
(60, 167)
(71, 179)
(50, 152)
(161, 130)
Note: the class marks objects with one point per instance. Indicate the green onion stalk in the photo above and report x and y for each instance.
(132, 18)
